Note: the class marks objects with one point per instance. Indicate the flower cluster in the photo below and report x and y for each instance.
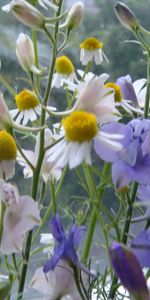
(109, 117)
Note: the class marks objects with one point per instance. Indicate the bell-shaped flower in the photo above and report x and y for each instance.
(57, 283)
(133, 94)
(26, 13)
(65, 246)
(129, 271)
(133, 161)
(25, 54)
(21, 215)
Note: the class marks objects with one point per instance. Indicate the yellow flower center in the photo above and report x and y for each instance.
(80, 126)
(8, 149)
(64, 65)
(91, 44)
(26, 100)
(117, 90)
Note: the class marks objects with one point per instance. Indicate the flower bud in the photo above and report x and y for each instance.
(25, 53)
(125, 15)
(75, 15)
(128, 270)
(25, 13)
(5, 117)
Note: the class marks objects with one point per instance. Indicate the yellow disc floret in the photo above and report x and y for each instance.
(64, 65)
(26, 100)
(8, 149)
(117, 90)
(91, 44)
(80, 126)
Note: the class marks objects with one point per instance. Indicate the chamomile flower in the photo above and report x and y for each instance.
(80, 129)
(64, 70)
(48, 170)
(126, 104)
(8, 153)
(28, 107)
(91, 48)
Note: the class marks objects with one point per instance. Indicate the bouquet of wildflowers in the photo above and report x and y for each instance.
(103, 136)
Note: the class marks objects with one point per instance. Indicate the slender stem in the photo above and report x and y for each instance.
(2, 211)
(53, 197)
(36, 173)
(36, 60)
(146, 107)
(125, 232)
(77, 281)
(93, 219)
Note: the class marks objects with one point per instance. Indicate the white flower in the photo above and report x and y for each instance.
(48, 240)
(28, 107)
(94, 106)
(80, 129)
(57, 283)
(5, 117)
(21, 215)
(91, 48)
(46, 4)
(25, 13)
(7, 158)
(49, 170)
(64, 70)
(25, 53)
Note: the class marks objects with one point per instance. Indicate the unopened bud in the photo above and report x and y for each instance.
(75, 15)
(129, 271)
(25, 53)
(125, 15)
(25, 13)
(5, 117)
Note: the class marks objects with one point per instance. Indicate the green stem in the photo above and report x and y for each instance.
(125, 232)
(36, 60)
(93, 219)
(146, 107)
(37, 170)
(47, 214)
(2, 211)
(77, 281)
(53, 197)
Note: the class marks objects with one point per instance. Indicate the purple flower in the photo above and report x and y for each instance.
(133, 91)
(127, 89)
(133, 161)
(140, 246)
(128, 270)
(65, 245)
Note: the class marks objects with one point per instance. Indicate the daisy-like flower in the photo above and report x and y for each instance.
(64, 70)
(28, 107)
(21, 215)
(49, 170)
(94, 106)
(127, 104)
(91, 48)
(8, 153)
